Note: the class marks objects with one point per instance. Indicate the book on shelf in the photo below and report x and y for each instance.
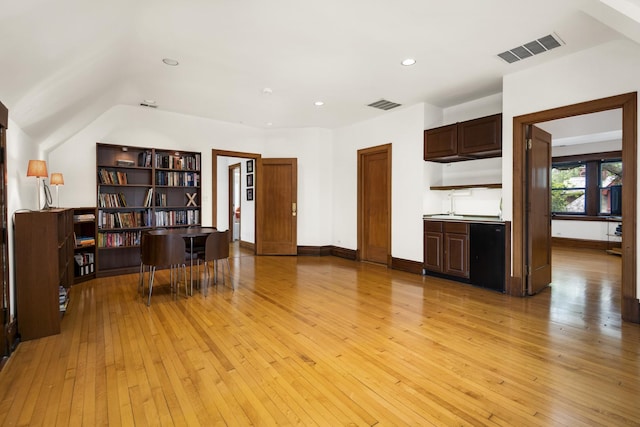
(144, 159)
(112, 177)
(84, 217)
(148, 199)
(85, 241)
(112, 200)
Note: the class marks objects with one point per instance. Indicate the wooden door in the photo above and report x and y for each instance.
(276, 206)
(374, 210)
(538, 233)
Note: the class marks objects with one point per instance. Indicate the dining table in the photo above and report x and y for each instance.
(187, 233)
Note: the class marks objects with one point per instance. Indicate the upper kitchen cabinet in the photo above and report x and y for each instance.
(472, 139)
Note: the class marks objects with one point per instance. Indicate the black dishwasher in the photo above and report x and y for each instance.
(486, 250)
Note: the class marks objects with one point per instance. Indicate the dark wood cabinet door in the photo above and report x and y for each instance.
(433, 256)
(481, 137)
(441, 143)
(456, 248)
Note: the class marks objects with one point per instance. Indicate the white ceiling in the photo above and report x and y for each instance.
(65, 62)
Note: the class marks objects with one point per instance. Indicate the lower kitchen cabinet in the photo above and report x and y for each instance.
(467, 252)
(446, 248)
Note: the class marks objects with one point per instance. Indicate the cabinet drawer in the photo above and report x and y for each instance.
(433, 226)
(456, 227)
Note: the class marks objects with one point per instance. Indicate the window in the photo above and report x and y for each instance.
(587, 185)
(568, 188)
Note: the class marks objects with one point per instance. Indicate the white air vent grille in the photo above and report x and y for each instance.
(383, 104)
(535, 47)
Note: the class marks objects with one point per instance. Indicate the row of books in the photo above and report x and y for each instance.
(84, 217)
(121, 239)
(169, 218)
(84, 263)
(63, 298)
(112, 200)
(178, 179)
(184, 162)
(112, 177)
(110, 220)
(144, 159)
(82, 241)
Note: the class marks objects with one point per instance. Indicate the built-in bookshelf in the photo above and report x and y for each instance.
(141, 188)
(84, 252)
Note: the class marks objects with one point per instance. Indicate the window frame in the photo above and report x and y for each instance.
(592, 162)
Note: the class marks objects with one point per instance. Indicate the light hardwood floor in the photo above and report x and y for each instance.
(326, 341)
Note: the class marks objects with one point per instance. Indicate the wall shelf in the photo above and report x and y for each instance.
(463, 187)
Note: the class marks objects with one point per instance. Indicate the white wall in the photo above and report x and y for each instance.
(606, 70)
(403, 129)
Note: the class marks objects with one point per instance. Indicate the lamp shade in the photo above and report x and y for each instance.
(56, 179)
(37, 168)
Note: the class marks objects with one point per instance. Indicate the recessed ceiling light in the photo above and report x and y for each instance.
(267, 91)
(408, 61)
(149, 101)
(269, 124)
(171, 62)
(318, 103)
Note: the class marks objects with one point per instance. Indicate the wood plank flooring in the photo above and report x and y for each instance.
(327, 341)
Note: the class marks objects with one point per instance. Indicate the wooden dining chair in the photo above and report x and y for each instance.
(216, 250)
(164, 250)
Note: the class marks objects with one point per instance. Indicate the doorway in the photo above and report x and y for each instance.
(222, 194)
(374, 204)
(521, 256)
(234, 201)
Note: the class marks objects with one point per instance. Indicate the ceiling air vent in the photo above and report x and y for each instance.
(383, 104)
(144, 104)
(532, 48)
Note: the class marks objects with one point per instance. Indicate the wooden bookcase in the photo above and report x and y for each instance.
(43, 262)
(141, 188)
(84, 253)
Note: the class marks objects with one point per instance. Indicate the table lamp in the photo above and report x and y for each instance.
(37, 168)
(57, 179)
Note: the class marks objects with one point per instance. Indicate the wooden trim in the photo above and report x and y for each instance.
(4, 116)
(214, 177)
(406, 265)
(628, 103)
(589, 157)
(564, 242)
(248, 245)
(314, 250)
(344, 253)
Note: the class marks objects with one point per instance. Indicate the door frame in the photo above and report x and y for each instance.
(215, 153)
(386, 148)
(230, 209)
(630, 308)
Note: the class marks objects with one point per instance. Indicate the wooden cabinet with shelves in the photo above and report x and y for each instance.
(472, 139)
(141, 188)
(44, 247)
(446, 248)
(84, 253)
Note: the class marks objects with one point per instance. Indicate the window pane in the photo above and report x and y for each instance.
(568, 201)
(568, 176)
(610, 173)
